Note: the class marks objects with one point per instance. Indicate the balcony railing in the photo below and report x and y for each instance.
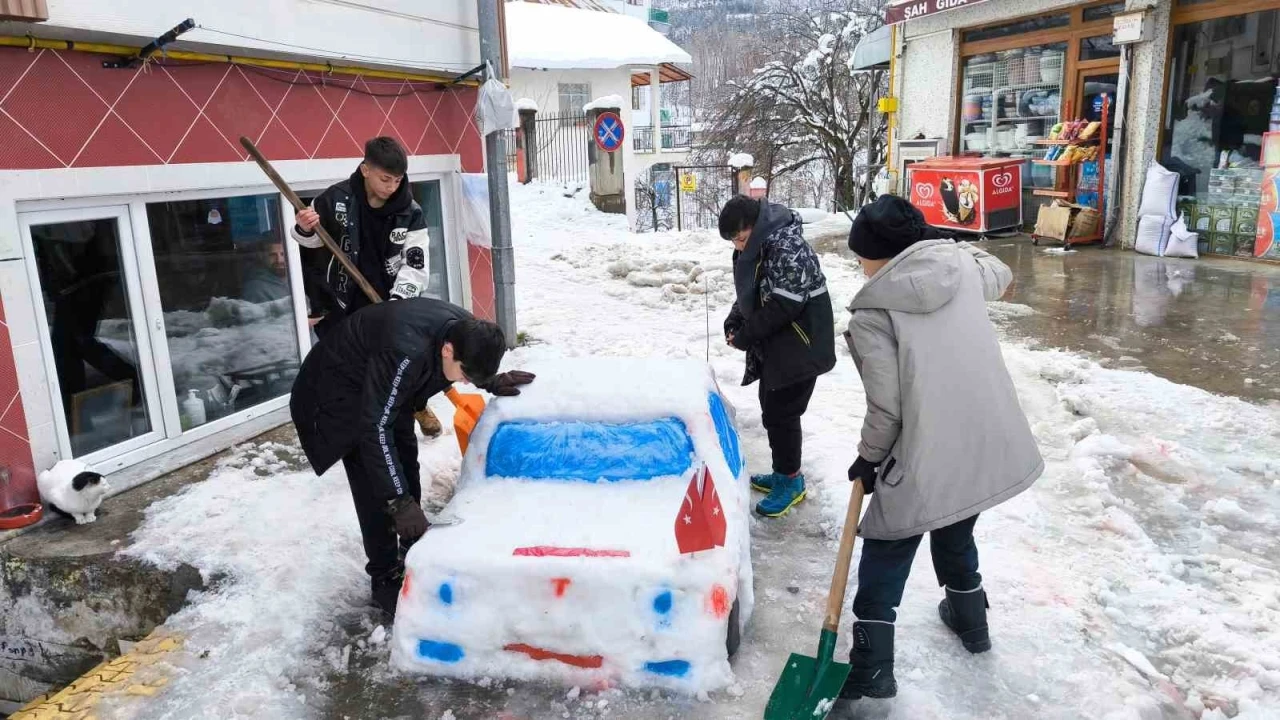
(674, 138)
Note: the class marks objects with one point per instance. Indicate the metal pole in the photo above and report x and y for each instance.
(495, 160)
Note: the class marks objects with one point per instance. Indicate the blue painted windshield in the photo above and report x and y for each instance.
(728, 436)
(590, 452)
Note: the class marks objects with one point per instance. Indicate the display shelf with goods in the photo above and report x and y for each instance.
(1076, 155)
(1009, 99)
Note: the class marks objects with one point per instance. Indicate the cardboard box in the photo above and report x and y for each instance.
(1054, 220)
(1222, 243)
(1222, 219)
(1246, 221)
(1200, 222)
(1086, 223)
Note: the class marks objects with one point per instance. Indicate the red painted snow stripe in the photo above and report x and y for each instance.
(553, 551)
(580, 661)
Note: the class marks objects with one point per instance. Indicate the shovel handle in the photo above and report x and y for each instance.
(298, 205)
(840, 580)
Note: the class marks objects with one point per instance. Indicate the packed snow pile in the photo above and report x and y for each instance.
(738, 161)
(536, 38)
(527, 104)
(608, 102)
(603, 536)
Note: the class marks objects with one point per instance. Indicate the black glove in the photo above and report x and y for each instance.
(411, 522)
(508, 383)
(864, 470)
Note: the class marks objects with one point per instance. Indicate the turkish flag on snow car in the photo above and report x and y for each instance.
(700, 524)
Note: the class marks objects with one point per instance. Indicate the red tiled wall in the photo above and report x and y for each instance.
(63, 109)
(15, 450)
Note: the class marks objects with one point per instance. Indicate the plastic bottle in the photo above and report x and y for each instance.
(193, 406)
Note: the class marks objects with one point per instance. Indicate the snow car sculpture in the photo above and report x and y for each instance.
(602, 536)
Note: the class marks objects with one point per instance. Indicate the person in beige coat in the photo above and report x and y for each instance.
(943, 438)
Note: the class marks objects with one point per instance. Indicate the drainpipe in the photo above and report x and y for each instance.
(495, 162)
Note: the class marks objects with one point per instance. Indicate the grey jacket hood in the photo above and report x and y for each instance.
(921, 279)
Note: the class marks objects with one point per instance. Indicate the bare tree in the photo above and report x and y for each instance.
(806, 106)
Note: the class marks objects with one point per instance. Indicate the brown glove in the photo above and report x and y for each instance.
(411, 522)
(428, 422)
(508, 383)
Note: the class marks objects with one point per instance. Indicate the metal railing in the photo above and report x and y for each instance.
(674, 138)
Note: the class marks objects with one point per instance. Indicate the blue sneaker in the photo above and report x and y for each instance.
(765, 483)
(787, 492)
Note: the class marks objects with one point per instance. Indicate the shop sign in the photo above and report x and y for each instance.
(1129, 28)
(913, 9)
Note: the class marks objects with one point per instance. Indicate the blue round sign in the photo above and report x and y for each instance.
(609, 131)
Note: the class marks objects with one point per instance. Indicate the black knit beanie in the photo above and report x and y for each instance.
(886, 227)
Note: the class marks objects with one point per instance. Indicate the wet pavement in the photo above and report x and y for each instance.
(1212, 323)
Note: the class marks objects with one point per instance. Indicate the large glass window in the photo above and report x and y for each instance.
(91, 325)
(1017, 27)
(1011, 99)
(573, 96)
(427, 194)
(228, 311)
(1222, 94)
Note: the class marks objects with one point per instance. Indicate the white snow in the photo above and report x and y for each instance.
(527, 104)
(556, 37)
(608, 102)
(812, 215)
(738, 161)
(471, 590)
(759, 183)
(1147, 551)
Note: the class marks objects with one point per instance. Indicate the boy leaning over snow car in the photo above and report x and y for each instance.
(944, 437)
(354, 400)
(782, 318)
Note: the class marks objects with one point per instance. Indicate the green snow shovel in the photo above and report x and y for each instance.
(808, 687)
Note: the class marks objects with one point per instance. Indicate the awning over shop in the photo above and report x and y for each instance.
(873, 50)
(912, 9)
(668, 73)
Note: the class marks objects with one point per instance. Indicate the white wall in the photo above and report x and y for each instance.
(439, 35)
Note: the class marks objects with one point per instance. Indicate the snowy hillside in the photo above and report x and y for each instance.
(1138, 579)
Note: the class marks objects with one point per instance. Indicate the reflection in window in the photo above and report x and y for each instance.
(1098, 48)
(1017, 27)
(224, 290)
(1102, 12)
(428, 196)
(91, 328)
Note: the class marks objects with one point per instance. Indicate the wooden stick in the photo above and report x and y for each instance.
(840, 580)
(298, 205)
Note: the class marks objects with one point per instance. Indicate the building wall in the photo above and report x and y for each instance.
(71, 129)
(930, 51)
(399, 33)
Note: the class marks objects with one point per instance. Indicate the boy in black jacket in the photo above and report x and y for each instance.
(354, 400)
(375, 220)
(782, 318)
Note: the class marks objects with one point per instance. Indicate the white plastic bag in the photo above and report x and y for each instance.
(1159, 193)
(1182, 242)
(496, 109)
(1153, 234)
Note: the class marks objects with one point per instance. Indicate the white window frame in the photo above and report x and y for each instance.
(89, 192)
(148, 378)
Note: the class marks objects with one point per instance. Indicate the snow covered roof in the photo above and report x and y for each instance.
(601, 41)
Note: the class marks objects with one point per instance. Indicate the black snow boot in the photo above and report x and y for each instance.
(386, 591)
(966, 614)
(871, 662)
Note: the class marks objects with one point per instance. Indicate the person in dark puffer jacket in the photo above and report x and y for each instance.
(782, 318)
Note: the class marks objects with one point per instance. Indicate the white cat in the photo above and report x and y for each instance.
(71, 488)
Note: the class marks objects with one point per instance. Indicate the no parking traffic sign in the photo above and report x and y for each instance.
(609, 131)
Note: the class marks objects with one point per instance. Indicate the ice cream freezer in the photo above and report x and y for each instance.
(968, 194)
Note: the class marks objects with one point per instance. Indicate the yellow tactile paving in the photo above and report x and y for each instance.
(78, 700)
